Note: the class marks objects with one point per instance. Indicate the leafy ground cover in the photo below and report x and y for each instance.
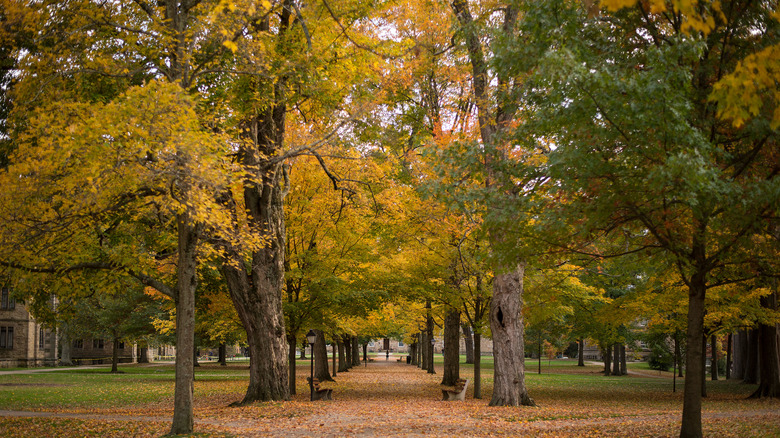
(384, 399)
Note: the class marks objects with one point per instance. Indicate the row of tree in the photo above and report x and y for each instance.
(360, 168)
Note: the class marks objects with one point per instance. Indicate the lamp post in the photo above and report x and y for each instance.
(311, 337)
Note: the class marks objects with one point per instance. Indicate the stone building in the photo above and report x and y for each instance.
(23, 342)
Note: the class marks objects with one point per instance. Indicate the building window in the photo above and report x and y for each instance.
(97, 344)
(7, 337)
(121, 345)
(41, 339)
(78, 343)
(7, 302)
(400, 344)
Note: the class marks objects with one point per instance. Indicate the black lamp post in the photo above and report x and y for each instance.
(311, 337)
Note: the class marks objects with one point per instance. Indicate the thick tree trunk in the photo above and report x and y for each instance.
(365, 353)
(691, 416)
(751, 362)
(304, 346)
(469, 341)
(342, 357)
(477, 365)
(143, 354)
(581, 353)
(607, 353)
(714, 359)
(355, 352)
(768, 353)
(413, 353)
(451, 369)
(291, 358)
(321, 358)
(187, 280)
(506, 323)
(115, 356)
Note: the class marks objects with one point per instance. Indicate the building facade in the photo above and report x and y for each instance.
(23, 341)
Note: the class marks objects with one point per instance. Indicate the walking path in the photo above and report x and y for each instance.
(390, 398)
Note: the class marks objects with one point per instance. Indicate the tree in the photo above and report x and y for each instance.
(640, 154)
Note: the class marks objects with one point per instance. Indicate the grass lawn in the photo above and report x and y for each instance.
(387, 398)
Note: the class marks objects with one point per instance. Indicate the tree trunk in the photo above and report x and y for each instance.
(365, 353)
(691, 416)
(187, 280)
(623, 364)
(429, 346)
(342, 357)
(616, 361)
(355, 352)
(581, 353)
(714, 359)
(223, 354)
(348, 351)
(469, 341)
(451, 370)
(477, 365)
(335, 354)
(506, 323)
(769, 354)
(607, 353)
(291, 358)
(321, 358)
(195, 353)
(304, 346)
(413, 353)
(115, 356)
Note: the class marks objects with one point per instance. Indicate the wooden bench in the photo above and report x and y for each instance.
(320, 393)
(459, 393)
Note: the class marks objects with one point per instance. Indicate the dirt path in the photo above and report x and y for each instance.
(390, 398)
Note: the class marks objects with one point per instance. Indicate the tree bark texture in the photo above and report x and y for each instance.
(223, 354)
(623, 364)
(691, 416)
(321, 358)
(348, 351)
(451, 369)
(729, 346)
(187, 280)
(616, 370)
(469, 341)
(424, 342)
(581, 353)
(506, 323)
(607, 353)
